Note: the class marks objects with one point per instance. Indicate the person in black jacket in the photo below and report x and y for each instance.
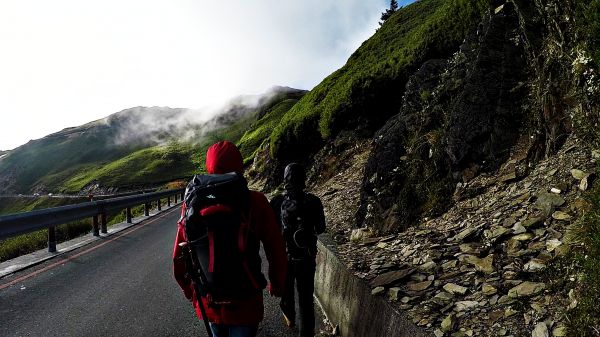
(301, 217)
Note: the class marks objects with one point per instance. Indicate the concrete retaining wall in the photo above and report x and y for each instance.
(348, 302)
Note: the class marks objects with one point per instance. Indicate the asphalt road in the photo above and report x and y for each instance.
(119, 286)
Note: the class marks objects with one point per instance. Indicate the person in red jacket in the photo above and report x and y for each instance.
(240, 317)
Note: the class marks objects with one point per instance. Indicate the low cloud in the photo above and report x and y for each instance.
(158, 125)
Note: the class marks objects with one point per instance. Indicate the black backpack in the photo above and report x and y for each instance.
(298, 233)
(224, 251)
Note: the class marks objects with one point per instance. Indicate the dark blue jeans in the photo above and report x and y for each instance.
(220, 330)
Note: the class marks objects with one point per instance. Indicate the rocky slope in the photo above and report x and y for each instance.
(470, 207)
(490, 266)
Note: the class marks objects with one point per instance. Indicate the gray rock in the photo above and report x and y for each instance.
(467, 233)
(559, 215)
(505, 300)
(488, 290)
(377, 291)
(518, 228)
(522, 237)
(455, 289)
(526, 289)
(466, 305)
(448, 323)
(541, 330)
(449, 265)
(391, 277)
(495, 233)
(510, 312)
(428, 267)
(533, 222)
(420, 286)
(534, 265)
(360, 234)
(484, 265)
(393, 293)
(578, 174)
(470, 248)
(586, 181)
(547, 202)
(552, 244)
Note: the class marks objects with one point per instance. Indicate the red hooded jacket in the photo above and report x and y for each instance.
(224, 157)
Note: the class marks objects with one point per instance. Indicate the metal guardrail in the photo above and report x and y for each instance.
(21, 223)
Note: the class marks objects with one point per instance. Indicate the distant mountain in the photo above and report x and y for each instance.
(134, 147)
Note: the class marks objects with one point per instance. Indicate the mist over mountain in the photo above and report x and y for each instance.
(60, 161)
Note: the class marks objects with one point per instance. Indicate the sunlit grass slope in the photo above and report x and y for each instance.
(367, 90)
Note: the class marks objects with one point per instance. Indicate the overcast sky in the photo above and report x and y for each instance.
(68, 62)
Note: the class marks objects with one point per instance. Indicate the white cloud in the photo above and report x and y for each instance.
(68, 62)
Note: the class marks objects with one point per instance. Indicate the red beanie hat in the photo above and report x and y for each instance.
(224, 157)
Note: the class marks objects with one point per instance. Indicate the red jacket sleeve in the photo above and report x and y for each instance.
(270, 235)
(179, 268)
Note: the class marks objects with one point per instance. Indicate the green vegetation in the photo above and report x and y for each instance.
(368, 89)
(144, 167)
(588, 18)
(58, 155)
(584, 319)
(30, 242)
(260, 131)
(10, 205)
(27, 243)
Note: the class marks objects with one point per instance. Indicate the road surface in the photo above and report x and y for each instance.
(119, 286)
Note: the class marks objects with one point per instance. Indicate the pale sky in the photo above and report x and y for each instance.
(68, 62)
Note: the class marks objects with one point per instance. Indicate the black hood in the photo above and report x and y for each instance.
(294, 177)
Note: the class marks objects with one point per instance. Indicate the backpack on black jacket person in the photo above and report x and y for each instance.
(301, 217)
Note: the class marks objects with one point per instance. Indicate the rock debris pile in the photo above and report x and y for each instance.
(485, 268)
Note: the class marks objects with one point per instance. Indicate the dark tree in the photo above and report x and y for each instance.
(388, 12)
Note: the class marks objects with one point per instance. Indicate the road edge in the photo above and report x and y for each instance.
(23, 262)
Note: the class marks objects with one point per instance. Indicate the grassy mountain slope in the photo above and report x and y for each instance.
(130, 149)
(366, 91)
(61, 154)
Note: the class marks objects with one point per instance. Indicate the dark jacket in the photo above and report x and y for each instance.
(313, 216)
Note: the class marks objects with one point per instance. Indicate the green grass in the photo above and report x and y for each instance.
(366, 91)
(584, 320)
(588, 18)
(141, 168)
(52, 158)
(260, 131)
(25, 204)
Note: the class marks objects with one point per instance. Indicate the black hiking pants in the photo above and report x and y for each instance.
(301, 272)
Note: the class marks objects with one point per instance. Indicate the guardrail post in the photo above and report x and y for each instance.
(104, 229)
(169, 201)
(52, 239)
(146, 210)
(128, 214)
(175, 199)
(95, 227)
(182, 197)
(159, 206)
